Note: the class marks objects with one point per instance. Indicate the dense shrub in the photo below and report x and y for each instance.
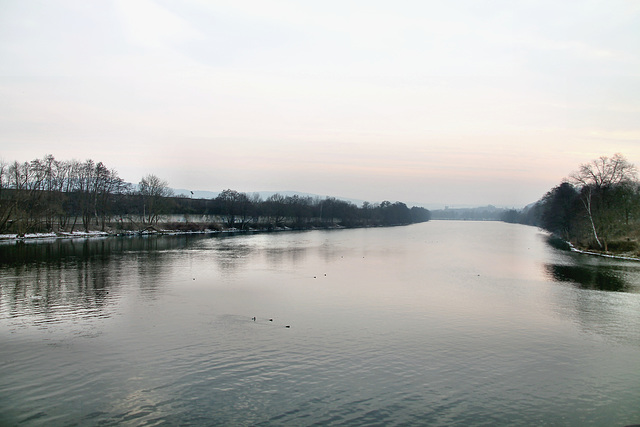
(623, 246)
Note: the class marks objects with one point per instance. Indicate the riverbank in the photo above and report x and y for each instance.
(559, 243)
(622, 256)
(150, 231)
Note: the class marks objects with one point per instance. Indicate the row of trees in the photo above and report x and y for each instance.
(241, 210)
(36, 195)
(50, 195)
(598, 206)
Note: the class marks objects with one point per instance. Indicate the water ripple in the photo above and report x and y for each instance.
(406, 336)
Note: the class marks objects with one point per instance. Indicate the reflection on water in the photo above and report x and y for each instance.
(589, 277)
(598, 274)
(73, 250)
(78, 277)
(607, 301)
(46, 290)
(434, 324)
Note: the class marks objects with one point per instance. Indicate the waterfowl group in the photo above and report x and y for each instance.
(254, 318)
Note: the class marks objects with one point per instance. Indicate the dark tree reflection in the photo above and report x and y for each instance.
(601, 278)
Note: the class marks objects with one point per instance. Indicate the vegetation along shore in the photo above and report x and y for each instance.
(595, 210)
(51, 198)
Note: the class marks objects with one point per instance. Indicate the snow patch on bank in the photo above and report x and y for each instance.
(604, 255)
(74, 234)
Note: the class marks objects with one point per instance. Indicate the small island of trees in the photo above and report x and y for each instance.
(48, 195)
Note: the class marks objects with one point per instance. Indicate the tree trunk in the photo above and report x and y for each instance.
(587, 205)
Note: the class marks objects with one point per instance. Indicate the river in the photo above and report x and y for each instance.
(440, 323)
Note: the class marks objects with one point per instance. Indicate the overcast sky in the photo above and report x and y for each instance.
(437, 102)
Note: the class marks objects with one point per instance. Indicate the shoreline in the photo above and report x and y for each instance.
(152, 231)
(564, 245)
(602, 254)
(35, 237)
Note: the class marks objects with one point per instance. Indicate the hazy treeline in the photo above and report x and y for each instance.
(597, 207)
(482, 213)
(51, 195)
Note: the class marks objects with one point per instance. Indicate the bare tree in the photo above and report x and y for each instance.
(6, 202)
(605, 172)
(236, 207)
(26, 181)
(153, 190)
(275, 206)
(107, 184)
(597, 181)
(85, 188)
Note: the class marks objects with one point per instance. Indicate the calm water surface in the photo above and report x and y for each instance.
(433, 324)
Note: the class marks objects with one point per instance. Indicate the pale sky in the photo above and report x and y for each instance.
(435, 102)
